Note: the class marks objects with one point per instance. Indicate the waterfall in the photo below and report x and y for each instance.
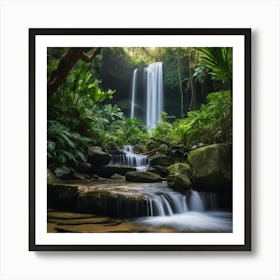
(133, 93)
(129, 158)
(165, 203)
(196, 202)
(168, 202)
(154, 94)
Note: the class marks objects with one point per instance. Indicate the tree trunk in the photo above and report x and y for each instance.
(66, 63)
(193, 93)
(180, 85)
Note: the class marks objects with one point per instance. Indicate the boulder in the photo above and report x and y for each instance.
(108, 171)
(63, 172)
(98, 157)
(51, 179)
(178, 178)
(180, 168)
(118, 177)
(160, 159)
(212, 168)
(103, 199)
(161, 170)
(142, 176)
(85, 168)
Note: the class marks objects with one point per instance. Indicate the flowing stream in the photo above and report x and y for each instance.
(154, 206)
(129, 158)
(194, 212)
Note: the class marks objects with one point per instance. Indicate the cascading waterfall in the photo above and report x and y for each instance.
(196, 203)
(198, 212)
(154, 94)
(129, 158)
(133, 93)
(168, 202)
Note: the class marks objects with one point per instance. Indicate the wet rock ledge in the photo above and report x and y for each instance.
(121, 201)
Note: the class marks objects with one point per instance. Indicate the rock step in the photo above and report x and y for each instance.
(100, 200)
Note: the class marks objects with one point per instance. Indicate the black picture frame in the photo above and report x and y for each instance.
(33, 32)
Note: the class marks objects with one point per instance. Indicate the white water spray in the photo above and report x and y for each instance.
(154, 94)
(129, 158)
(133, 93)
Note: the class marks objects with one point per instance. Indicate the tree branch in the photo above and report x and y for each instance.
(66, 63)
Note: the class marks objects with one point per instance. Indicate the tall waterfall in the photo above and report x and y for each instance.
(154, 94)
(133, 93)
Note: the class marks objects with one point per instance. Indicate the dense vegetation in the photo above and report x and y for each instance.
(85, 111)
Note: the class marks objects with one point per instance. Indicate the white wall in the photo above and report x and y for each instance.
(17, 262)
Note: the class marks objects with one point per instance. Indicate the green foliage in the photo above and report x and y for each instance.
(164, 129)
(77, 117)
(219, 62)
(211, 124)
(64, 145)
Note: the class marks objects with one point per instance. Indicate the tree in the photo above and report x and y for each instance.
(192, 59)
(66, 63)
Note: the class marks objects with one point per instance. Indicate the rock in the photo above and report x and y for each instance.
(51, 179)
(97, 156)
(108, 171)
(180, 168)
(178, 178)
(161, 170)
(116, 152)
(62, 196)
(142, 176)
(160, 159)
(212, 168)
(63, 172)
(119, 201)
(85, 168)
(118, 177)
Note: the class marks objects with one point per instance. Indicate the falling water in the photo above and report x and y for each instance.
(129, 158)
(165, 203)
(154, 94)
(133, 93)
(196, 203)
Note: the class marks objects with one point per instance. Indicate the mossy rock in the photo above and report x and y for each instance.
(180, 168)
(160, 159)
(98, 157)
(142, 176)
(212, 167)
(51, 179)
(161, 170)
(178, 178)
(108, 171)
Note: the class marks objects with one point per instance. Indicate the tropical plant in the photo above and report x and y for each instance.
(219, 62)
(212, 123)
(64, 145)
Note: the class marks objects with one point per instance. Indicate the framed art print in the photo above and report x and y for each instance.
(140, 139)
